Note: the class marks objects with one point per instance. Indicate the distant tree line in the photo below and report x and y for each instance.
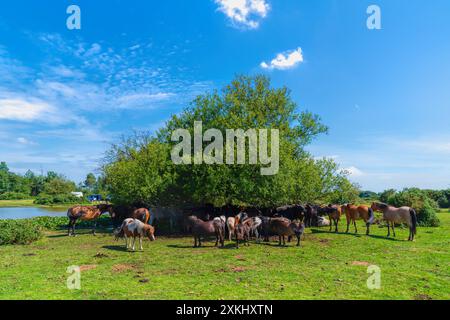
(51, 188)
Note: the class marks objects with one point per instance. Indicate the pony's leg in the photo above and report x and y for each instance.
(354, 223)
(348, 225)
(279, 243)
(126, 242)
(140, 243)
(336, 222)
(393, 229)
(134, 244)
(331, 223)
(389, 229)
(95, 227)
(368, 229)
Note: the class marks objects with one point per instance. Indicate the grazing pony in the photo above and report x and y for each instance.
(242, 232)
(87, 213)
(284, 227)
(231, 225)
(393, 215)
(334, 213)
(253, 223)
(240, 218)
(133, 228)
(202, 228)
(354, 213)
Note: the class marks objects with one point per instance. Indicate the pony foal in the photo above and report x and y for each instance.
(133, 228)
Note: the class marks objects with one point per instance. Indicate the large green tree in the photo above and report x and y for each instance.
(140, 169)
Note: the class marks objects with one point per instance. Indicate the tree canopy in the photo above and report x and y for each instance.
(139, 169)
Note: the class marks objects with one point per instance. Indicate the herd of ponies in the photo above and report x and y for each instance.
(242, 224)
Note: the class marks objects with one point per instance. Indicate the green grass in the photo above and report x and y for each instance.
(16, 203)
(328, 266)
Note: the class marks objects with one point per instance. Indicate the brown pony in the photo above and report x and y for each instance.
(354, 213)
(87, 213)
(202, 228)
(141, 214)
(393, 215)
(334, 214)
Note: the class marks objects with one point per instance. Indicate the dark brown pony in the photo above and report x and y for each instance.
(283, 227)
(334, 214)
(202, 228)
(87, 213)
(354, 213)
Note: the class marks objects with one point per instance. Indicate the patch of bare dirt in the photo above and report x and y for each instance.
(239, 269)
(240, 258)
(360, 263)
(123, 267)
(88, 267)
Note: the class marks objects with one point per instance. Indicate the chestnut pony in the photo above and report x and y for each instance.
(87, 213)
(393, 215)
(354, 213)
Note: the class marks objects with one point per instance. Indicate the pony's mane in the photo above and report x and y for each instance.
(383, 205)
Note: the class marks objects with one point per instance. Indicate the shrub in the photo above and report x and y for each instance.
(19, 232)
(14, 196)
(57, 223)
(46, 199)
(426, 216)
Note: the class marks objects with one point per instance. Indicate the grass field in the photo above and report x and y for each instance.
(16, 203)
(327, 266)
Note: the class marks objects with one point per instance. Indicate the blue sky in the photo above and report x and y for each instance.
(65, 95)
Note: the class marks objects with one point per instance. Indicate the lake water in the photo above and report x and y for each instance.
(31, 212)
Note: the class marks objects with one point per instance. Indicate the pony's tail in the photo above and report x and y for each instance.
(413, 214)
(371, 217)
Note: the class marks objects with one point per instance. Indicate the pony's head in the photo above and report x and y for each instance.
(297, 227)
(150, 232)
(103, 208)
(377, 206)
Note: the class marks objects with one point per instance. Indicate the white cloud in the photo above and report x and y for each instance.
(93, 50)
(285, 60)
(244, 13)
(66, 72)
(142, 99)
(25, 141)
(28, 111)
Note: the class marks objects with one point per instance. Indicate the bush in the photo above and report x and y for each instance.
(46, 199)
(19, 232)
(57, 223)
(426, 216)
(14, 196)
